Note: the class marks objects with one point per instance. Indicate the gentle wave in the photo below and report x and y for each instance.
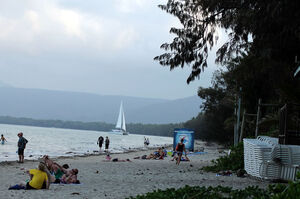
(57, 142)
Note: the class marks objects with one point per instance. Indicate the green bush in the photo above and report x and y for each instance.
(205, 193)
(274, 191)
(234, 161)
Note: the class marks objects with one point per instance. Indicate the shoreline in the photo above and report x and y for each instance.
(95, 153)
(113, 180)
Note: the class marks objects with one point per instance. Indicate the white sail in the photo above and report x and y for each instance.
(119, 122)
(121, 125)
(123, 122)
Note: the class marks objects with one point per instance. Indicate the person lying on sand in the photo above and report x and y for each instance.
(39, 179)
(159, 154)
(62, 174)
(70, 177)
(115, 160)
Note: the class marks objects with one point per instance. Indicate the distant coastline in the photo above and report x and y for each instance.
(143, 129)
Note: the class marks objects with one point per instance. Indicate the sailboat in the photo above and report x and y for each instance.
(121, 125)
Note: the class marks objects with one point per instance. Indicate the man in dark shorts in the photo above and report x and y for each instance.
(100, 142)
(21, 146)
(106, 143)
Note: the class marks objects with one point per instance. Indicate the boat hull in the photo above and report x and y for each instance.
(119, 131)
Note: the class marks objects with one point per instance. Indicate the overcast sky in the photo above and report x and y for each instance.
(104, 47)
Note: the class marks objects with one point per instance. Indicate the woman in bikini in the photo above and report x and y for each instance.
(179, 150)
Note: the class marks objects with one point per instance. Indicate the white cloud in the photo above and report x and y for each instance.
(48, 24)
(71, 21)
(129, 6)
(33, 18)
(125, 38)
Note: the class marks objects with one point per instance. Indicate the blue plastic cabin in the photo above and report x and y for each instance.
(188, 136)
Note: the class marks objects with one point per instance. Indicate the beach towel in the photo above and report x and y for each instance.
(183, 159)
(53, 183)
(197, 153)
(16, 187)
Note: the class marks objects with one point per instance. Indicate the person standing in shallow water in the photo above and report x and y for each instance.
(106, 143)
(21, 146)
(100, 142)
(3, 139)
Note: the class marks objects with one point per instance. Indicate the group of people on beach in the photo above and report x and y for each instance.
(48, 172)
(100, 143)
(146, 141)
(158, 154)
(162, 152)
(61, 173)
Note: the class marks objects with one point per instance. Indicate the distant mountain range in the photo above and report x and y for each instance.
(86, 107)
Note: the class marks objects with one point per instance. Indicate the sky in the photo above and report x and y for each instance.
(102, 47)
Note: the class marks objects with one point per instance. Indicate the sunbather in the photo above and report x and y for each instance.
(39, 179)
(61, 173)
(70, 177)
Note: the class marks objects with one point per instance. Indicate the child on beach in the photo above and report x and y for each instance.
(3, 139)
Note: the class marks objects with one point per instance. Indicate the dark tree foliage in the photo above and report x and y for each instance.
(259, 56)
(216, 122)
(273, 26)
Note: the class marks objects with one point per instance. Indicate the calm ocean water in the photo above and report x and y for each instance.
(66, 142)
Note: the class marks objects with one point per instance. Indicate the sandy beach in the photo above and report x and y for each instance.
(100, 179)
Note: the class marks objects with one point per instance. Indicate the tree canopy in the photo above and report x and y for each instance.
(259, 55)
(270, 27)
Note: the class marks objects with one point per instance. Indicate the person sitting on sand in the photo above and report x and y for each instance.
(164, 151)
(161, 153)
(3, 139)
(39, 179)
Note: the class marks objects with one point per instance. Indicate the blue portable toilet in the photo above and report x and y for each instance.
(188, 136)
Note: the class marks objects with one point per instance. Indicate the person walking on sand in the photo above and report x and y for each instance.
(100, 142)
(21, 146)
(3, 139)
(106, 143)
(179, 150)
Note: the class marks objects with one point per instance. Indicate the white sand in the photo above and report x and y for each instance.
(101, 179)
